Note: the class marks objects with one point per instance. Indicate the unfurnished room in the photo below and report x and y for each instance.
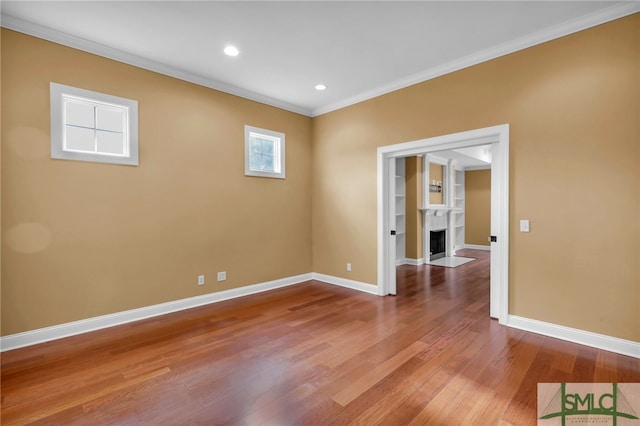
(320, 213)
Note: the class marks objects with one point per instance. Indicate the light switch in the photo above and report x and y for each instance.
(524, 225)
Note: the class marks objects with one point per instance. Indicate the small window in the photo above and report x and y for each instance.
(92, 126)
(263, 153)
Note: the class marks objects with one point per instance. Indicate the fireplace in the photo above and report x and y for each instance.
(438, 244)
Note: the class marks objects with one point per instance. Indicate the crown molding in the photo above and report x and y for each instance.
(573, 26)
(617, 11)
(49, 34)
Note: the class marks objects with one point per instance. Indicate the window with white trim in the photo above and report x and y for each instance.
(92, 126)
(263, 153)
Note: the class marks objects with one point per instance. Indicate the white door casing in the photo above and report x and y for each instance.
(498, 137)
(392, 227)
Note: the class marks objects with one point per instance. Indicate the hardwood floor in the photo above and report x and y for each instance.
(310, 354)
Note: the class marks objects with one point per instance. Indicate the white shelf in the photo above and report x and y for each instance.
(400, 211)
(459, 198)
(439, 208)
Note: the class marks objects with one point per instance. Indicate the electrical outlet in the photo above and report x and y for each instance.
(222, 276)
(524, 225)
(200, 279)
(348, 267)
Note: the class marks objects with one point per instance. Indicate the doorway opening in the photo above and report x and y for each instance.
(498, 138)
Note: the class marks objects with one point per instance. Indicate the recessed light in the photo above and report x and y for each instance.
(320, 87)
(231, 51)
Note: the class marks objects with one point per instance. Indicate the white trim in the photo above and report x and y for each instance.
(475, 247)
(344, 282)
(59, 94)
(617, 11)
(474, 168)
(497, 135)
(500, 250)
(279, 156)
(85, 45)
(587, 338)
(41, 335)
(539, 37)
(413, 262)
(19, 340)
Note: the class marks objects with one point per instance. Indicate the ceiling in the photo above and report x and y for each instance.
(471, 158)
(358, 49)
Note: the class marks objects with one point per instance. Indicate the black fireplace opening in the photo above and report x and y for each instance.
(438, 243)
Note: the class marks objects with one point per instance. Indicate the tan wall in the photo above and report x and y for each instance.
(477, 217)
(573, 109)
(85, 239)
(1, 184)
(413, 170)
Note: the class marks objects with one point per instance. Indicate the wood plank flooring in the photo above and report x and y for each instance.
(310, 354)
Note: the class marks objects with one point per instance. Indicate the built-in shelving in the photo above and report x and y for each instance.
(401, 211)
(459, 209)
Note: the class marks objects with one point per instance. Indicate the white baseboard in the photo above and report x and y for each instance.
(413, 262)
(476, 247)
(344, 282)
(41, 335)
(587, 338)
(19, 340)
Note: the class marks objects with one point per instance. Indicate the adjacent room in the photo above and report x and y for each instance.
(283, 213)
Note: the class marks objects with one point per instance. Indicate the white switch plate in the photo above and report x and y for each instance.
(348, 267)
(222, 276)
(524, 225)
(200, 279)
